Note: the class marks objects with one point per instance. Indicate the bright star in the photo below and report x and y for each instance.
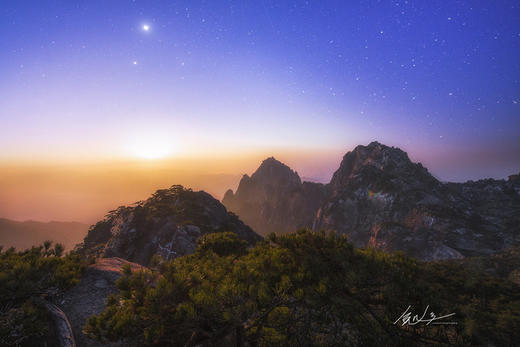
(146, 27)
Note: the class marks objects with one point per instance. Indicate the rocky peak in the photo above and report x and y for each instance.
(167, 224)
(272, 176)
(274, 199)
(276, 173)
(380, 198)
(378, 161)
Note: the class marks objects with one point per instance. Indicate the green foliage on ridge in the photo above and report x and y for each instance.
(25, 275)
(304, 288)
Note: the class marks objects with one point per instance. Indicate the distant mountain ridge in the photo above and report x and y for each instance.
(380, 198)
(274, 199)
(22, 235)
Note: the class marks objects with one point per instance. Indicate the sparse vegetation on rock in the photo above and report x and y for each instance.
(167, 224)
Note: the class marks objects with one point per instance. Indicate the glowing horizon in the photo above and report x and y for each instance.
(216, 88)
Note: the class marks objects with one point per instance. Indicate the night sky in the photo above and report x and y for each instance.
(103, 79)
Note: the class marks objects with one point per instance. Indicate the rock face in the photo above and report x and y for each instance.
(274, 199)
(167, 224)
(381, 199)
(89, 296)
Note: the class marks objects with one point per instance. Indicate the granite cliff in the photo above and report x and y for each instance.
(381, 199)
(274, 199)
(167, 224)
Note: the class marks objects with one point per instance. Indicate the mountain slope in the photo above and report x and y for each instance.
(274, 199)
(22, 235)
(380, 198)
(167, 224)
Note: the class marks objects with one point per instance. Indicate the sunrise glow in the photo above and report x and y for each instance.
(150, 148)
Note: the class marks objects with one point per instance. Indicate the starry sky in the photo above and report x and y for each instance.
(113, 79)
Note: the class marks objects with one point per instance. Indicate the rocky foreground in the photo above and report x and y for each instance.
(89, 296)
(380, 198)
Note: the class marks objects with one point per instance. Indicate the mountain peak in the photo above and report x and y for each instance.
(377, 158)
(168, 224)
(274, 171)
(380, 198)
(274, 199)
(374, 144)
(271, 162)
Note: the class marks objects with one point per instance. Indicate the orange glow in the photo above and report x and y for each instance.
(85, 191)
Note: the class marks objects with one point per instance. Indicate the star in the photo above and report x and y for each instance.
(134, 62)
(146, 27)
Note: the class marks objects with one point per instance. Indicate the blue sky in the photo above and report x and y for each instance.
(441, 79)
